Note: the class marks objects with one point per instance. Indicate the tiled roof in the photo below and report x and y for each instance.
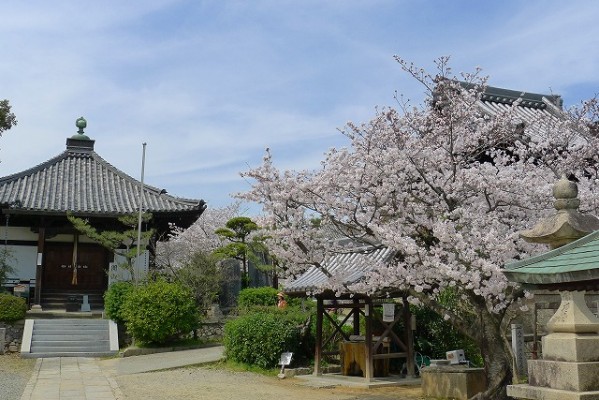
(82, 182)
(348, 267)
(574, 262)
(531, 106)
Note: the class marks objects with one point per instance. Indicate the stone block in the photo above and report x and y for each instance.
(542, 393)
(452, 382)
(571, 347)
(2, 339)
(573, 376)
(573, 315)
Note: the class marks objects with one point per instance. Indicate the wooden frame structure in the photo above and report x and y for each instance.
(363, 307)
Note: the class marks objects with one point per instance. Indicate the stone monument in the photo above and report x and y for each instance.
(569, 368)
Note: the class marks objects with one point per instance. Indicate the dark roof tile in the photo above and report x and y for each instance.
(80, 181)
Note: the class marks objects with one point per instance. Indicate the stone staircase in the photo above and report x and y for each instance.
(69, 337)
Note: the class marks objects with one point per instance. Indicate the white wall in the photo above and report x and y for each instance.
(23, 259)
(16, 233)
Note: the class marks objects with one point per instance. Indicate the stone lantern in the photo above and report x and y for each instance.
(569, 368)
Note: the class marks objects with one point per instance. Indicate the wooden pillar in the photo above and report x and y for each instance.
(535, 350)
(318, 352)
(369, 373)
(407, 318)
(41, 239)
(356, 315)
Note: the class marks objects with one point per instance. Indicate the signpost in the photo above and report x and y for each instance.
(284, 361)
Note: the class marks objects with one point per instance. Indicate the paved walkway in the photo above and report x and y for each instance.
(70, 378)
(81, 378)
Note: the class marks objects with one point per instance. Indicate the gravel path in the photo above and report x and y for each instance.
(14, 375)
(217, 384)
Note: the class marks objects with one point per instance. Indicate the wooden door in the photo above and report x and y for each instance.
(92, 263)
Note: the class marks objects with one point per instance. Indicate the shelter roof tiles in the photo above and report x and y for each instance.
(347, 268)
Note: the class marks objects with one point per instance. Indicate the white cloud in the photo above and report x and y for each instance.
(209, 84)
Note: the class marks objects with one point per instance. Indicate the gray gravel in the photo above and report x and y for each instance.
(14, 375)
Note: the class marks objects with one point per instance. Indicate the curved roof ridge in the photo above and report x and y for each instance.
(34, 169)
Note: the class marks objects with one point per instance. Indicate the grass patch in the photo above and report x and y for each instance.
(189, 342)
(242, 367)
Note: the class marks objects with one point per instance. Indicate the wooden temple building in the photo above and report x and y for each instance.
(51, 260)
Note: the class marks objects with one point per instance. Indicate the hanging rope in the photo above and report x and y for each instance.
(6, 232)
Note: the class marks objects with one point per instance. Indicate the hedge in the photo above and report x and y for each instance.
(159, 312)
(262, 296)
(12, 308)
(114, 300)
(260, 338)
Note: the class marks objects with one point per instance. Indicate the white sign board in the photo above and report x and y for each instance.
(285, 359)
(388, 312)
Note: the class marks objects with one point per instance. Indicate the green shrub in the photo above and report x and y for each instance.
(260, 338)
(114, 299)
(12, 308)
(262, 296)
(159, 312)
(435, 336)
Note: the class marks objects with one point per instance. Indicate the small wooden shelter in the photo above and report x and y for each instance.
(370, 353)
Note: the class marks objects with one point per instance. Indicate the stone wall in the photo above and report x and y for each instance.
(10, 336)
(212, 330)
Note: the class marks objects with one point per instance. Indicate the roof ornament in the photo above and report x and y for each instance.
(568, 224)
(81, 123)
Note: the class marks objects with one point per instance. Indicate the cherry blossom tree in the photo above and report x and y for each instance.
(446, 185)
(182, 244)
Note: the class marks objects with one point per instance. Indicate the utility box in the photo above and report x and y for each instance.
(456, 357)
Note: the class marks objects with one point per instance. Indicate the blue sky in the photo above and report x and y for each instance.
(210, 84)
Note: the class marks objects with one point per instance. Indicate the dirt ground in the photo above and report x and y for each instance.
(14, 375)
(217, 384)
(205, 383)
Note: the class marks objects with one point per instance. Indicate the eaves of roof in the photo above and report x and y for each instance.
(575, 262)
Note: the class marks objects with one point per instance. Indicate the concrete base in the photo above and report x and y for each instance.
(453, 382)
(562, 375)
(542, 393)
(571, 347)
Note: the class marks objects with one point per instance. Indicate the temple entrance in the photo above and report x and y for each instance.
(89, 273)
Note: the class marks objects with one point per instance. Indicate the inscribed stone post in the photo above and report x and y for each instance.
(518, 350)
(2, 339)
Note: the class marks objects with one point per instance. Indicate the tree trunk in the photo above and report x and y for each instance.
(486, 330)
(497, 358)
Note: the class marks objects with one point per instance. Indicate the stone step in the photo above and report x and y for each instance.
(68, 354)
(67, 328)
(71, 322)
(85, 344)
(70, 337)
(103, 335)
